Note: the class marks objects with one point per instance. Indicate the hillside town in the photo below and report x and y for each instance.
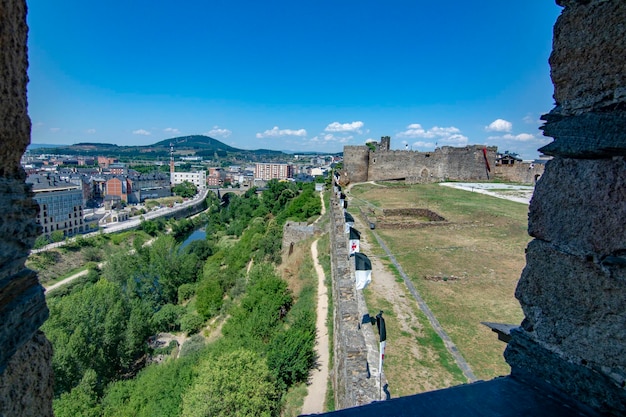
(80, 194)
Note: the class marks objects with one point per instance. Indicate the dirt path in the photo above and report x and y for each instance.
(85, 272)
(67, 280)
(314, 401)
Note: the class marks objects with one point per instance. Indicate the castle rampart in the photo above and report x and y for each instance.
(363, 164)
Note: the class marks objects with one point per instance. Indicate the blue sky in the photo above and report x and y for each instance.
(292, 75)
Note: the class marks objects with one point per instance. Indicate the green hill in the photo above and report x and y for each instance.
(194, 145)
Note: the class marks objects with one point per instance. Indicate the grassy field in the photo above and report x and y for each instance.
(466, 269)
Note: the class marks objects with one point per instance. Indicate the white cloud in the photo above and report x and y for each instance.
(414, 130)
(329, 137)
(171, 131)
(529, 119)
(442, 135)
(499, 125)
(345, 127)
(141, 132)
(90, 131)
(55, 129)
(522, 137)
(422, 144)
(219, 132)
(276, 132)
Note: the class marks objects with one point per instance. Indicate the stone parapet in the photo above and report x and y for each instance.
(355, 377)
(576, 307)
(587, 59)
(26, 385)
(573, 288)
(25, 357)
(578, 206)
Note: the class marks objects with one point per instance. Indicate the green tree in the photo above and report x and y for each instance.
(57, 236)
(237, 384)
(167, 318)
(191, 323)
(291, 353)
(41, 241)
(210, 297)
(185, 189)
(87, 329)
(81, 401)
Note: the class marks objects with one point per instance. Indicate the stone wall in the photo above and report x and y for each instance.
(294, 232)
(355, 376)
(25, 376)
(521, 172)
(445, 163)
(573, 288)
(355, 163)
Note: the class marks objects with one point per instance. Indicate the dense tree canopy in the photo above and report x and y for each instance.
(237, 384)
(100, 330)
(185, 189)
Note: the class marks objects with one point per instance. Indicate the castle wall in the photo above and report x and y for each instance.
(294, 232)
(521, 172)
(445, 163)
(355, 162)
(355, 352)
(25, 356)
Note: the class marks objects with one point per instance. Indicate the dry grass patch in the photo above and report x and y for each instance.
(482, 246)
(415, 358)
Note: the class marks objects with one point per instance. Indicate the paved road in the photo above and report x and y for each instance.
(129, 224)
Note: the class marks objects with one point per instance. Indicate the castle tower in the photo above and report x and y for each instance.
(385, 143)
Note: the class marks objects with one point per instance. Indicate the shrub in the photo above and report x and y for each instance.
(57, 236)
(210, 297)
(237, 384)
(192, 345)
(41, 241)
(191, 323)
(186, 291)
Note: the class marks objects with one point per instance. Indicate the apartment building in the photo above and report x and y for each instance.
(198, 178)
(270, 171)
(60, 204)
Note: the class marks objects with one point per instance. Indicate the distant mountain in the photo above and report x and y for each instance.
(200, 142)
(42, 145)
(196, 145)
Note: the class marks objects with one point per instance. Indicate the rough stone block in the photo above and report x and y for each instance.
(537, 365)
(588, 60)
(26, 385)
(575, 306)
(580, 206)
(589, 135)
(22, 310)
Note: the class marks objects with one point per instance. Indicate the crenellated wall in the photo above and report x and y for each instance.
(25, 368)
(355, 376)
(573, 288)
(446, 163)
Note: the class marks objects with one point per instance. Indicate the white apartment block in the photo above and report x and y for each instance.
(198, 178)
